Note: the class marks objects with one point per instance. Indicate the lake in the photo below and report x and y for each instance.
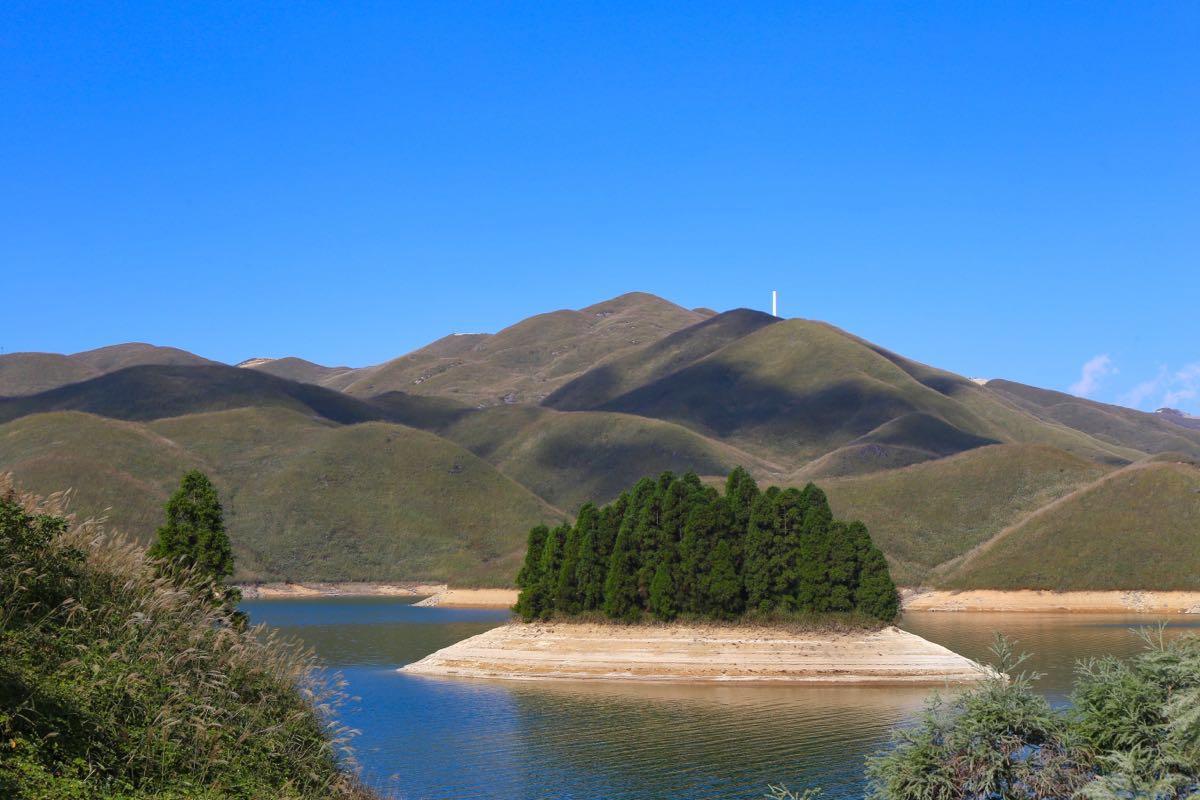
(424, 738)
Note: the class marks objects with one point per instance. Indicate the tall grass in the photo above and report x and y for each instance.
(114, 683)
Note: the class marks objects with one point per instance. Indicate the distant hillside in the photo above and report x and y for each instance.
(527, 361)
(30, 373)
(1136, 528)
(434, 464)
(154, 392)
(927, 516)
(796, 391)
(305, 498)
(296, 369)
(571, 458)
(1125, 427)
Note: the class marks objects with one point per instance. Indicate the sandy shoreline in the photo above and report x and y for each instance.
(699, 653)
(985, 600)
(974, 600)
(270, 591)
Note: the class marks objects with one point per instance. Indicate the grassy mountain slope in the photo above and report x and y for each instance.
(306, 499)
(296, 369)
(31, 373)
(1136, 528)
(529, 360)
(924, 515)
(139, 354)
(1124, 427)
(106, 463)
(797, 390)
(153, 392)
(657, 360)
(570, 458)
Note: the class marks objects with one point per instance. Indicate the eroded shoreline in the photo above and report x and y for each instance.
(699, 653)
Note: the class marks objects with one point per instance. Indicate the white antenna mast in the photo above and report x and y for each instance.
(774, 303)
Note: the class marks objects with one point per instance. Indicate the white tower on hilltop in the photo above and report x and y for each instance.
(774, 303)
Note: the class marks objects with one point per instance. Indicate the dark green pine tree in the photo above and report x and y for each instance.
(621, 582)
(567, 596)
(759, 563)
(193, 543)
(875, 594)
(740, 492)
(530, 601)
(548, 568)
(843, 567)
(812, 585)
(649, 537)
(708, 578)
(662, 601)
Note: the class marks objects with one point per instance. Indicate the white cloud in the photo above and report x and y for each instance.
(1093, 374)
(1146, 389)
(1184, 386)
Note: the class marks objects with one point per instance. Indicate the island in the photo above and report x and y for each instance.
(677, 581)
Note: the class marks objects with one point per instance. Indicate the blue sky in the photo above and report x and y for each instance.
(1000, 189)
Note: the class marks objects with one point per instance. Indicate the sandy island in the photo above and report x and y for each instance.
(699, 653)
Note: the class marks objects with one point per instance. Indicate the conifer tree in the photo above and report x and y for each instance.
(529, 580)
(567, 599)
(740, 491)
(193, 543)
(662, 593)
(620, 585)
(813, 562)
(876, 594)
(758, 571)
(842, 567)
(549, 567)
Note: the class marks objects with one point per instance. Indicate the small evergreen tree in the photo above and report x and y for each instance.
(662, 593)
(549, 567)
(530, 601)
(192, 543)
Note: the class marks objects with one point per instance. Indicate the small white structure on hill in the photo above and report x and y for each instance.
(774, 303)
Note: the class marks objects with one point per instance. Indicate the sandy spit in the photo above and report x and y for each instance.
(471, 598)
(276, 590)
(698, 653)
(1029, 600)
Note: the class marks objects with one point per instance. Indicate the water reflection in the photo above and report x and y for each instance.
(443, 738)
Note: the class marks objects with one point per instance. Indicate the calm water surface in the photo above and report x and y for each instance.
(437, 738)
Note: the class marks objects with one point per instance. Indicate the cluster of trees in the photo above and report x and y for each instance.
(674, 546)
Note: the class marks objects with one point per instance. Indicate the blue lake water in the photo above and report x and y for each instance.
(424, 738)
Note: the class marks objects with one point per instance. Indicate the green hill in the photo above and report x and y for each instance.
(529, 360)
(306, 499)
(1136, 528)
(796, 391)
(656, 360)
(296, 369)
(153, 392)
(1124, 427)
(570, 458)
(31, 373)
(926, 515)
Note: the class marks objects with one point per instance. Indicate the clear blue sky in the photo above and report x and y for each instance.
(1000, 189)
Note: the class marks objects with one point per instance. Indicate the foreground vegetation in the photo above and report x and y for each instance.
(119, 680)
(672, 547)
(1132, 731)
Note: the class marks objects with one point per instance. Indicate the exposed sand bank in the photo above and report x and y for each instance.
(471, 598)
(700, 653)
(1035, 601)
(276, 590)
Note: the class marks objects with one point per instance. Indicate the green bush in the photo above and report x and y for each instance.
(116, 683)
